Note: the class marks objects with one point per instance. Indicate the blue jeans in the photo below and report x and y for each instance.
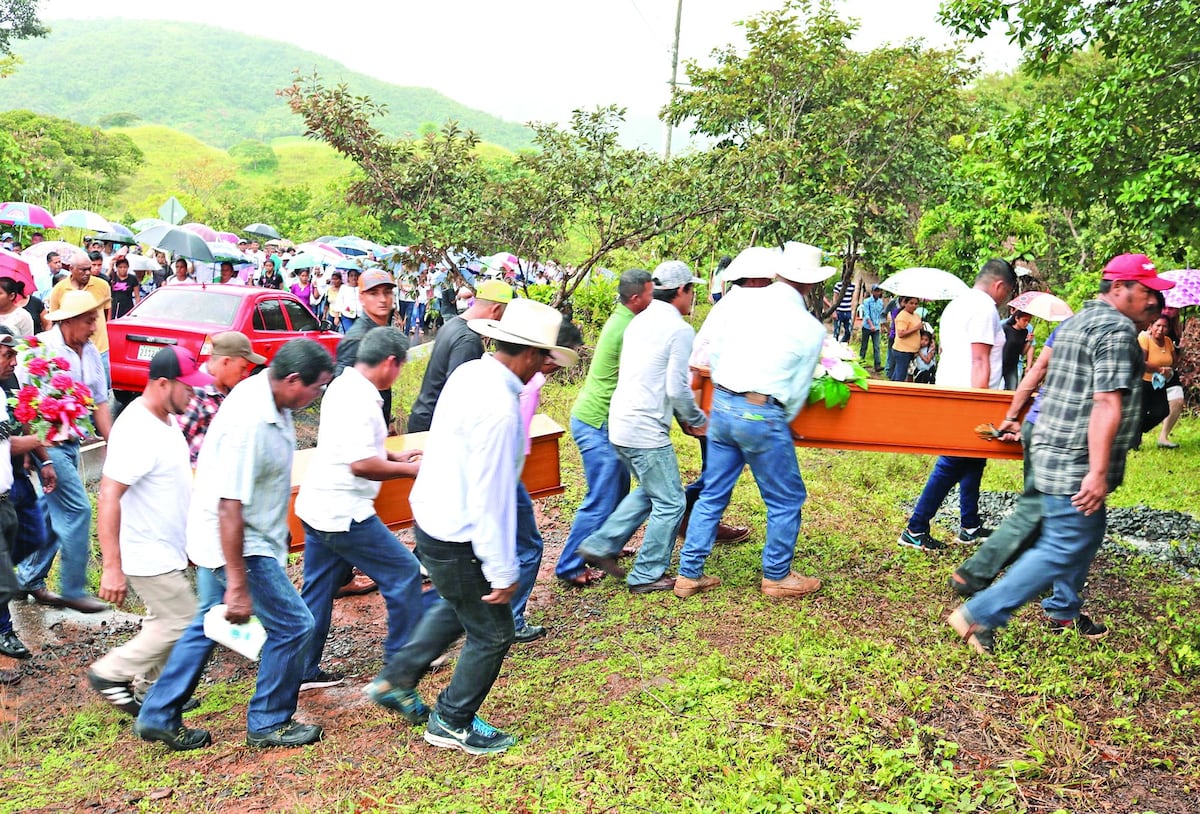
(529, 554)
(949, 470)
(742, 433)
(1060, 558)
(658, 499)
(347, 324)
(417, 323)
(458, 577)
(873, 337)
(328, 557)
(898, 362)
(607, 482)
(841, 326)
(405, 308)
(70, 521)
(289, 627)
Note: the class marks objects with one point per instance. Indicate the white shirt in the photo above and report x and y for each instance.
(19, 321)
(6, 470)
(347, 301)
(970, 318)
(653, 383)
(467, 487)
(151, 458)
(764, 340)
(351, 429)
(247, 457)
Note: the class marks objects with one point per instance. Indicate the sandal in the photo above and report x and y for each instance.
(981, 638)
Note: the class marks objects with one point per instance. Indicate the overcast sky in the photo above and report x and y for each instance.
(523, 59)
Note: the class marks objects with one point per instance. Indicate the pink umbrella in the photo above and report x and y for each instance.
(228, 237)
(14, 266)
(1041, 304)
(1187, 288)
(206, 232)
(19, 213)
(327, 254)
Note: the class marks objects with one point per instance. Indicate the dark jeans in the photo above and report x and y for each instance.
(529, 554)
(458, 577)
(368, 545)
(1018, 531)
(949, 470)
(898, 362)
(873, 338)
(841, 326)
(691, 492)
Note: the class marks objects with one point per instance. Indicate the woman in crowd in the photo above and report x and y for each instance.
(347, 303)
(907, 326)
(1160, 370)
(302, 289)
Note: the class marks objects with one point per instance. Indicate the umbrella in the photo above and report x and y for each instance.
(223, 251)
(500, 261)
(925, 283)
(38, 251)
(355, 245)
(207, 232)
(139, 262)
(117, 237)
(1187, 287)
(118, 229)
(16, 267)
(1041, 304)
(325, 254)
(82, 219)
(145, 223)
(228, 237)
(19, 213)
(262, 230)
(180, 241)
(348, 264)
(304, 260)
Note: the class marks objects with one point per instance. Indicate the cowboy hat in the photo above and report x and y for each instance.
(755, 263)
(803, 263)
(526, 322)
(74, 303)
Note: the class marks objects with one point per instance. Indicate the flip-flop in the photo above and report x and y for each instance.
(977, 636)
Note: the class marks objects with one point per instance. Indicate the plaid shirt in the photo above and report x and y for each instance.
(1096, 351)
(198, 415)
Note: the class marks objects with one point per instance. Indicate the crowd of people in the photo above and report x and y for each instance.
(221, 444)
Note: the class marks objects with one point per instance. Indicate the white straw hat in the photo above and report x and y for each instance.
(526, 322)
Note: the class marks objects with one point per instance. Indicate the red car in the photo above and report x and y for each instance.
(188, 315)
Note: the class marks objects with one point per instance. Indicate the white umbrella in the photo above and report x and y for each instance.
(140, 262)
(83, 219)
(1041, 304)
(925, 284)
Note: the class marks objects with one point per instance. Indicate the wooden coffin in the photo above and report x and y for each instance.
(541, 476)
(901, 417)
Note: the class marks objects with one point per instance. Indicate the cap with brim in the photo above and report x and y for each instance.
(235, 344)
(803, 263)
(174, 362)
(494, 291)
(526, 322)
(6, 337)
(673, 274)
(74, 303)
(1136, 268)
(373, 278)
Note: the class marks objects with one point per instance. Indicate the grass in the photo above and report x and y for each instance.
(858, 699)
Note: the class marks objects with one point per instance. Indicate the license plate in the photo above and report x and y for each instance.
(147, 352)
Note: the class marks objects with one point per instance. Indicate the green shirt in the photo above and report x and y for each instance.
(592, 405)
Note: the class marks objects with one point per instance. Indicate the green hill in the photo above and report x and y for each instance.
(214, 84)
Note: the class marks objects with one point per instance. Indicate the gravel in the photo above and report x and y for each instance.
(1169, 537)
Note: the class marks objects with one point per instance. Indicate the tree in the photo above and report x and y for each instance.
(579, 197)
(822, 143)
(1121, 131)
(18, 21)
(64, 157)
(254, 156)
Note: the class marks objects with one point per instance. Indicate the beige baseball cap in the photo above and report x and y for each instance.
(236, 344)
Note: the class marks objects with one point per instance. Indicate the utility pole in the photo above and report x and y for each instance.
(674, 68)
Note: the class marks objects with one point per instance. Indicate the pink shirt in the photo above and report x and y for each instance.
(531, 397)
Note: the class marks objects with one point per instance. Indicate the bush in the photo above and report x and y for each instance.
(592, 303)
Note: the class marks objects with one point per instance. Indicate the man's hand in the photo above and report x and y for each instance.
(1009, 430)
(238, 606)
(501, 597)
(49, 477)
(693, 430)
(405, 456)
(113, 587)
(1092, 492)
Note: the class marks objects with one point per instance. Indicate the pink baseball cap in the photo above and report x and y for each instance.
(1136, 268)
(173, 362)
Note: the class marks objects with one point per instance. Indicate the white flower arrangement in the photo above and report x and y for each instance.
(837, 368)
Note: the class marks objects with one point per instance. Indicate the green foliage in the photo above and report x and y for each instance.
(254, 156)
(592, 304)
(64, 161)
(819, 142)
(18, 21)
(215, 84)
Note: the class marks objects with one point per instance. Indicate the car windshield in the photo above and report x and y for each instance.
(189, 304)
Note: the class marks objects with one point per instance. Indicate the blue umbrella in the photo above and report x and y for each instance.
(351, 244)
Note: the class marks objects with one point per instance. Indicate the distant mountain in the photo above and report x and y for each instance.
(214, 84)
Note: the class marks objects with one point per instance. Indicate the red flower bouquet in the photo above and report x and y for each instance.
(56, 407)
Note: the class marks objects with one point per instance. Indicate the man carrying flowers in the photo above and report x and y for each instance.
(65, 398)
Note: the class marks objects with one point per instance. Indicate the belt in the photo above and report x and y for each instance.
(757, 399)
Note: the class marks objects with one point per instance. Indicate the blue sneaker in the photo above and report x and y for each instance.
(921, 540)
(480, 738)
(405, 701)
